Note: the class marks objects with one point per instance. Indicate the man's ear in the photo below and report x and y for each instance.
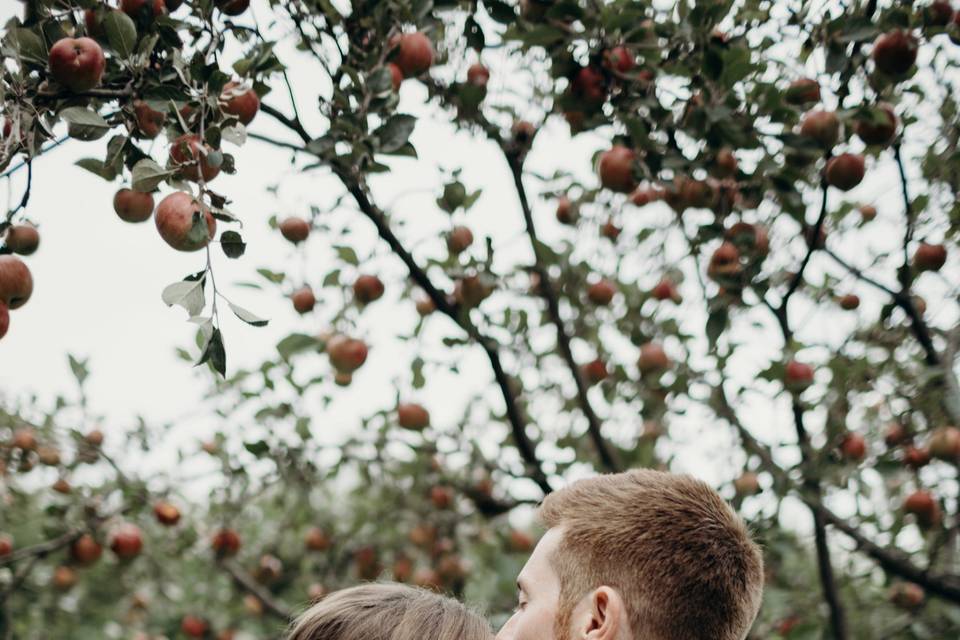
(601, 615)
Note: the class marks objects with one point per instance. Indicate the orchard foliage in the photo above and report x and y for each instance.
(766, 253)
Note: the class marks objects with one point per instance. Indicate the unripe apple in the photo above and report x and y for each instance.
(924, 507)
(619, 59)
(22, 239)
(193, 626)
(316, 539)
(666, 290)
(849, 302)
(166, 513)
(588, 84)
(802, 91)
(441, 497)
(77, 63)
(242, 102)
(85, 550)
(149, 121)
(63, 578)
(929, 257)
(894, 52)
(232, 7)
(594, 371)
(945, 444)
(16, 282)
(601, 292)
(853, 447)
(797, 376)
(396, 75)
(367, 289)
(616, 169)
(821, 126)
(4, 318)
(478, 75)
(180, 220)
(414, 53)
(6, 545)
(459, 239)
(133, 206)
(346, 354)
(194, 156)
(225, 543)
(906, 595)
(520, 541)
(303, 300)
(610, 230)
(882, 133)
(566, 212)
(295, 229)
(895, 434)
(915, 457)
(126, 541)
(652, 358)
(412, 416)
(868, 212)
(845, 171)
(748, 484)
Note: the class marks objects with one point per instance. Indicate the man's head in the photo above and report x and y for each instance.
(642, 555)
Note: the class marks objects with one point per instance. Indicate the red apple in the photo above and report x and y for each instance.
(666, 290)
(523, 132)
(25, 439)
(149, 121)
(77, 63)
(478, 75)
(94, 438)
(610, 230)
(85, 550)
(6, 545)
(367, 289)
(295, 229)
(22, 239)
(225, 543)
(797, 376)
(242, 102)
(929, 257)
(867, 212)
(924, 507)
(588, 84)
(94, 24)
(915, 457)
(346, 354)
(845, 171)
(906, 595)
(63, 578)
(4, 319)
(166, 513)
(16, 282)
(616, 169)
(520, 541)
(566, 213)
(895, 434)
(724, 262)
(425, 305)
(938, 13)
(137, 8)
(133, 206)
(232, 7)
(652, 358)
(303, 300)
(180, 220)
(725, 163)
(802, 91)
(945, 444)
(126, 541)
(441, 497)
(853, 447)
(849, 302)
(821, 126)
(601, 292)
(194, 627)
(194, 156)
(619, 59)
(594, 371)
(412, 416)
(317, 539)
(414, 53)
(748, 484)
(894, 52)
(459, 239)
(878, 133)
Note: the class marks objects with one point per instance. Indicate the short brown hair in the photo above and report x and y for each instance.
(680, 557)
(382, 611)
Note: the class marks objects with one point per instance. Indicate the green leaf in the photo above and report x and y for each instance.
(84, 124)
(121, 32)
(500, 11)
(188, 295)
(348, 255)
(416, 367)
(247, 316)
(30, 46)
(257, 448)
(295, 343)
(96, 166)
(232, 244)
(272, 276)
(395, 132)
(79, 368)
(215, 354)
(147, 175)
(380, 81)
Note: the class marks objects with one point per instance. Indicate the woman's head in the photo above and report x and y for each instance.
(388, 612)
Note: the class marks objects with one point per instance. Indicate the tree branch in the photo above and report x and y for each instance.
(246, 581)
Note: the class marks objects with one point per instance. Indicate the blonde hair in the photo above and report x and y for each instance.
(680, 557)
(384, 611)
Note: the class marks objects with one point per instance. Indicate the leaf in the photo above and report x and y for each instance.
(321, 146)
(147, 175)
(272, 276)
(79, 368)
(395, 132)
(247, 316)
(215, 354)
(96, 166)
(500, 11)
(235, 135)
(348, 255)
(716, 323)
(232, 244)
(121, 32)
(30, 45)
(416, 367)
(380, 81)
(188, 295)
(84, 124)
(295, 343)
(257, 448)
